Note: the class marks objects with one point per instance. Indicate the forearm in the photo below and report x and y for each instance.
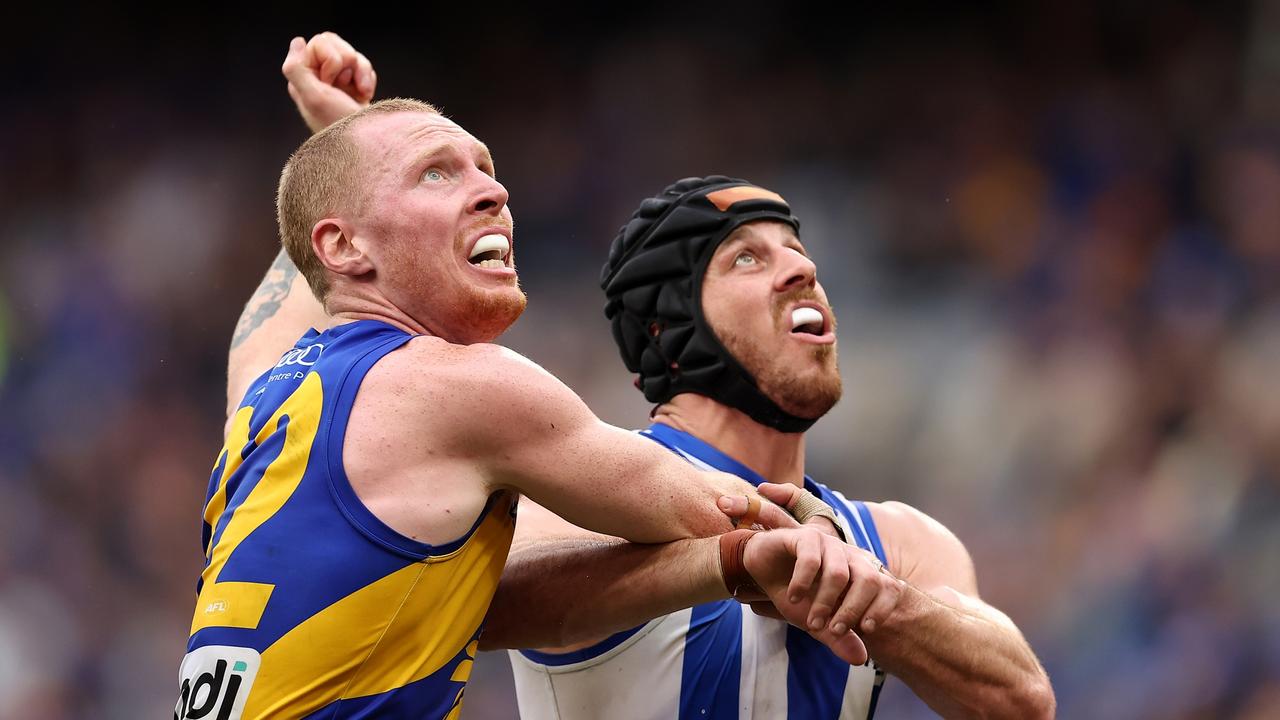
(606, 479)
(556, 593)
(962, 658)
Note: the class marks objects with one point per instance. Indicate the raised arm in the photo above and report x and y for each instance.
(327, 80)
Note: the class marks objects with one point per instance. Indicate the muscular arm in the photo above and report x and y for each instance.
(565, 588)
(613, 585)
(958, 654)
(519, 428)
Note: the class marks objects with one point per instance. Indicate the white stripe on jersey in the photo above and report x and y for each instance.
(630, 680)
(763, 693)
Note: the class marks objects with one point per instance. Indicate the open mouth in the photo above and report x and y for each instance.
(490, 251)
(808, 321)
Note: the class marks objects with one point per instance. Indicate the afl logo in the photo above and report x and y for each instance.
(306, 356)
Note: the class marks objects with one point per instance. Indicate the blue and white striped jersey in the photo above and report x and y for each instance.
(717, 661)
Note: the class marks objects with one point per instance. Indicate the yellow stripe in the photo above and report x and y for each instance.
(392, 632)
(237, 438)
(240, 604)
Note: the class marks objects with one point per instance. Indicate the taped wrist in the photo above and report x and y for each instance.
(807, 506)
(733, 568)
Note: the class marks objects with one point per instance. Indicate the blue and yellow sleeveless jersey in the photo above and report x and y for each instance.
(309, 606)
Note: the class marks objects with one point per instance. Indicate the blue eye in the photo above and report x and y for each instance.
(745, 259)
(433, 175)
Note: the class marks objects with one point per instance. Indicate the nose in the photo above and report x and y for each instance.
(490, 196)
(795, 271)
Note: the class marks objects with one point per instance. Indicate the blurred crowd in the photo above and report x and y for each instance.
(1052, 241)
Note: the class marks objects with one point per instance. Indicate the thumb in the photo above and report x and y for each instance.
(296, 55)
(848, 647)
(297, 68)
(770, 517)
(783, 494)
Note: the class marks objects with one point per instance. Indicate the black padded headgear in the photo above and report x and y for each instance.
(653, 289)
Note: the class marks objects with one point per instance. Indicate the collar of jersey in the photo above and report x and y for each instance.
(686, 444)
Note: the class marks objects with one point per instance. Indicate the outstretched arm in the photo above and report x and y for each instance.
(565, 588)
(613, 584)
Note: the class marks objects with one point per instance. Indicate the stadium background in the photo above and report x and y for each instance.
(1051, 234)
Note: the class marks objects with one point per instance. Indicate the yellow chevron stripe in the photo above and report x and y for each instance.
(240, 604)
(237, 438)
(432, 609)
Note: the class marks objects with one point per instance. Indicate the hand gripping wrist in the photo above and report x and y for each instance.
(733, 568)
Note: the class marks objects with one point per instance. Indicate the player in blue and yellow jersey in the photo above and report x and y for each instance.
(359, 516)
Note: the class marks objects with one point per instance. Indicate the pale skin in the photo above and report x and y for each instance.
(466, 418)
(923, 621)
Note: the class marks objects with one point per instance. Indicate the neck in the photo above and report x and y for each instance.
(345, 308)
(777, 456)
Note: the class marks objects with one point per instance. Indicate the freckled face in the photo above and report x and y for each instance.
(431, 198)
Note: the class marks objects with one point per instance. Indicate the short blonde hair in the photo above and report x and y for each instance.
(318, 180)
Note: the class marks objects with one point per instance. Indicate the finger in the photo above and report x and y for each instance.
(735, 506)
(329, 56)
(772, 517)
(824, 526)
(808, 553)
(885, 602)
(344, 47)
(298, 69)
(346, 80)
(748, 518)
(352, 61)
(848, 647)
(862, 591)
(832, 583)
(366, 80)
(767, 609)
(783, 494)
(295, 57)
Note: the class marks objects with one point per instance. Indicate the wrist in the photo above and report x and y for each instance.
(914, 608)
(733, 568)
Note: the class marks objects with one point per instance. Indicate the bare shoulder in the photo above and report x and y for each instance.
(922, 550)
(904, 522)
(459, 389)
(426, 361)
